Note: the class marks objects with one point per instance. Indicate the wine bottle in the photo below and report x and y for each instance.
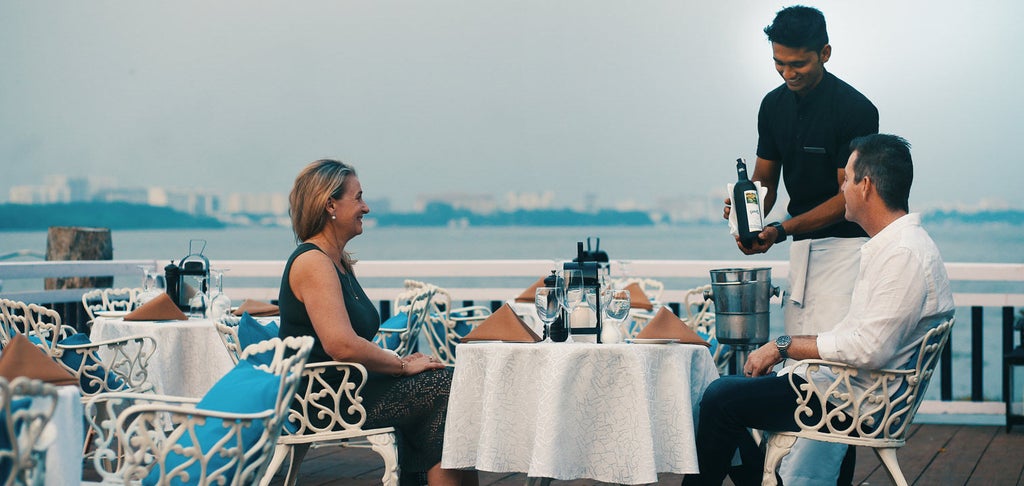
(746, 205)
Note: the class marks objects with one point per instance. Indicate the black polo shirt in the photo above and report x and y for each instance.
(811, 137)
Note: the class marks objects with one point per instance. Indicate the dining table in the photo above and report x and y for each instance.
(617, 413)
(189, 357)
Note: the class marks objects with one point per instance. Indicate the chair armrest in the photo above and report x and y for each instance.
(329, 398)
(126, 359)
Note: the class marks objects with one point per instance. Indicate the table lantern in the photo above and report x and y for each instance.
(192, 276)
(590, 282)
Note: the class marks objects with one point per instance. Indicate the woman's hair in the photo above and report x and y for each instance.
(318, 182)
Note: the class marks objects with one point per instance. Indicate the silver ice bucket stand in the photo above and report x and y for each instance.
(742, 297)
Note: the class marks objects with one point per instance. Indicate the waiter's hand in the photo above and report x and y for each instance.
(728, 208)
(759, 245)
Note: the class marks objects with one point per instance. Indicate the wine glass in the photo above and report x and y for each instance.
(546, 300)
(220, 303)
(150, 285)
(199, 301)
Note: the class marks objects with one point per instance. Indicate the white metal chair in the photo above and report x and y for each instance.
(22, 462)
(413, 303)
(329, 391)
(113, 365)
(445, 326)
(877, 418)
(109, 300)
(150, 429)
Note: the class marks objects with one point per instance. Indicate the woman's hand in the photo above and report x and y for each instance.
(417, 363)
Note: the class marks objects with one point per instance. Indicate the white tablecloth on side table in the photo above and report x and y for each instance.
(190, 356)
(618, 413)
(64, 453)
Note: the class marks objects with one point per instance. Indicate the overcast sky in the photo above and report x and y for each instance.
(625, 99)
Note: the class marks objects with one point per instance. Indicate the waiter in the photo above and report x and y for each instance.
(804, 131)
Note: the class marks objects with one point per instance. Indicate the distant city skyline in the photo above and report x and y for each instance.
(595, 101)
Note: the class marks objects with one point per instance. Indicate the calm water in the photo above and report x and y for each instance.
(992, 243)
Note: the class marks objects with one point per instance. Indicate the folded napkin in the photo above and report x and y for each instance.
(22, 358)
(665, 325)
(530, 293)
(160, 308)
(503, 325)
(637, 298)
(257, 308)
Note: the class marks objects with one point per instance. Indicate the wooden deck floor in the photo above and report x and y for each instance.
(934, 455)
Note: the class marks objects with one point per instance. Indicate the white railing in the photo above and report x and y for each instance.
(271, 270)
(514, 275)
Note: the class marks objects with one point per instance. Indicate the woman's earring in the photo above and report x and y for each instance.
(334, 217)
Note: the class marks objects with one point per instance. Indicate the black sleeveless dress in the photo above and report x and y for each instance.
(415, 406)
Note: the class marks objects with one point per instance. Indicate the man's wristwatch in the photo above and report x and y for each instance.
(783, 342)
(782, 231)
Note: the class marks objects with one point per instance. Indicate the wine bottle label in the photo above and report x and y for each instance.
(754, 223)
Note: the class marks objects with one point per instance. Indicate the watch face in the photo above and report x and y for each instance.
(783, 341)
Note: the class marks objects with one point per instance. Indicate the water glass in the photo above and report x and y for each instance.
(548, 307)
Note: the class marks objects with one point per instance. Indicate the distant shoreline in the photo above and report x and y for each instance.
(126, 216)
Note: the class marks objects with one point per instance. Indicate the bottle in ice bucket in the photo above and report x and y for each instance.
(746, 205)
(559, 330)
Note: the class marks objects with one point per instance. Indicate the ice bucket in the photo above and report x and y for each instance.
(742, 297)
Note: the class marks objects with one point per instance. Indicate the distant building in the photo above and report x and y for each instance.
(690, 208)
(266, 204)
(528, 201)
(474, 203)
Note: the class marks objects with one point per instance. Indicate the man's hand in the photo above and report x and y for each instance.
(761, 360)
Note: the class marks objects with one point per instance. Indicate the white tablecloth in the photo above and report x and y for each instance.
(190, 356)
(64, 453)
(619, 413)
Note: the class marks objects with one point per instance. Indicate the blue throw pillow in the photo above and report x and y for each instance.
(73, 360)
(396, 322)
(250, 331)
(245, 389)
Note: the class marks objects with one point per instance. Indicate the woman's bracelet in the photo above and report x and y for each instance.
(400, 373)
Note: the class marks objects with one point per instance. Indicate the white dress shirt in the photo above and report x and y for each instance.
(902, 291)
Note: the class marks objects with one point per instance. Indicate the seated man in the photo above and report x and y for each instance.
(901, 292)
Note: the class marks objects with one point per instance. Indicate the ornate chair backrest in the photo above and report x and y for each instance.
(153, 428)
(445, 327)
(26, 406)
(120, 299)
(92, 302)
(37, 321)
(229, 336)
(413, 302)
(880, 415)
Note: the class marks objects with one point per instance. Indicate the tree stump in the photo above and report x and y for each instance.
(78, 243)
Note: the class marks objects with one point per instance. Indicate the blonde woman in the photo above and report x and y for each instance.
(320, 297)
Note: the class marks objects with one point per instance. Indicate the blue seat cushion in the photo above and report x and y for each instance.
(397, 322)
(73, 360)
(244, 389)
(251, 331)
